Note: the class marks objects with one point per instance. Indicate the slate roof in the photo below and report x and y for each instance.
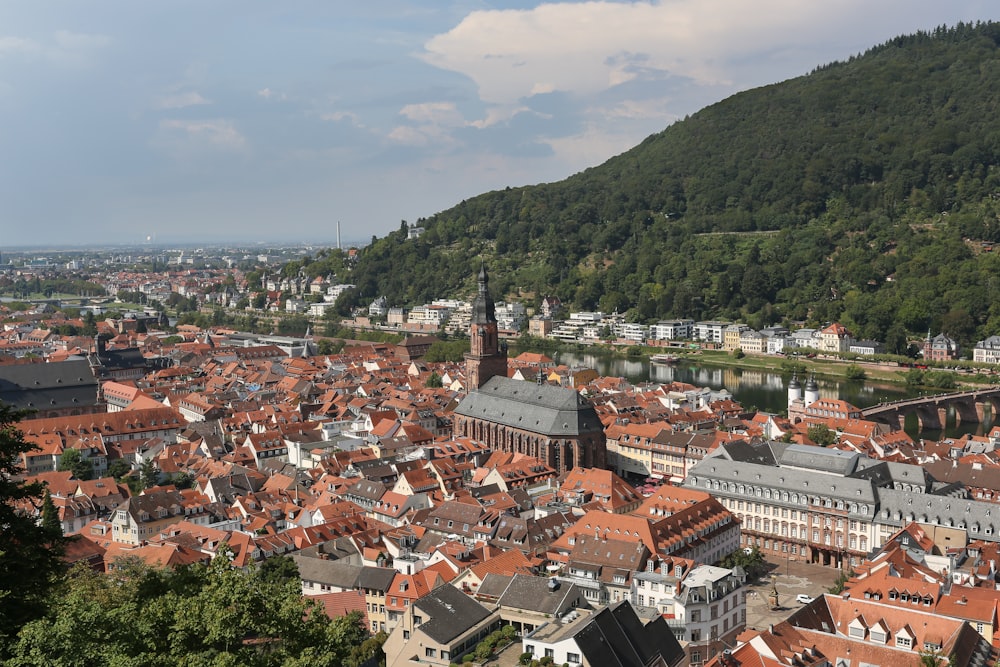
(616, 637)
(533, 594)
(553, 411)
(330, 572)
(51, 386)
(450, 613)
(820, 459)
(376, 578)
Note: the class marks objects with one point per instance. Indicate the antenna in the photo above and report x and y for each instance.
(339, 247)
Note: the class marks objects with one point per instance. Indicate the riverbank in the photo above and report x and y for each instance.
(821, 366)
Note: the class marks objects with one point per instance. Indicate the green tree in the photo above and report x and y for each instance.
(149, 474)
(279, 569)
(855, 372)
(199, 615)
(821, 435)
(434, 381)
(50, 516)
(29, 553)
(119, 468)
(73, 460)
(329, 346)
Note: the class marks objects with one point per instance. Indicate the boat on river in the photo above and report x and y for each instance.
(664, 359)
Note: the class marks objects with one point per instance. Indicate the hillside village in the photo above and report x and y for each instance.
(442, 515)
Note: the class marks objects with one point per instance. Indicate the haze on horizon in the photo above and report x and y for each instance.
(254, 121)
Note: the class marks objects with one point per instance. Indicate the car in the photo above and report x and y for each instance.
(802, 598)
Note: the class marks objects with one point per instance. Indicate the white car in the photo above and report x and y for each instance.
(802, 598)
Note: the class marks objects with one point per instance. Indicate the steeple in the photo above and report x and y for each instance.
(487, 357)
(483, 308)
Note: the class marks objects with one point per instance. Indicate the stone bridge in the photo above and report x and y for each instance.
(932, 411)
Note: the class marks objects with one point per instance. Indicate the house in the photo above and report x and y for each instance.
(987, 351)
(439, 629)
(612, 637)
(940, 348)
(527, 602)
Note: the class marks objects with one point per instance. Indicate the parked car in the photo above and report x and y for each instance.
(802, 598)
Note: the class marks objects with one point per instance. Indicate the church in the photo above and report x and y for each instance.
(554, 424)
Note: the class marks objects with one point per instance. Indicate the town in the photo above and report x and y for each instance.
(449, 501)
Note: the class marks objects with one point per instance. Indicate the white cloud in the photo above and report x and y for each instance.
(408, 136)
(436, 113)
(180, 100)
(585, 48)
(12, 45)
(341, 116)
(64, 48)
(218, 133)
(269, 94)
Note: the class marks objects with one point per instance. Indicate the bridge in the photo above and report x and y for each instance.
(932, 411)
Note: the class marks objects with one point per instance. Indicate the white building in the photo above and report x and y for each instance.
(511, 316)
(672, 330)
(709, 331)
(987, 351)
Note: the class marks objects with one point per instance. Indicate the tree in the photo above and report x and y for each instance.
(149, 474)
(434, 381)
(855, 372)
(211, 614)
(29, 553)
(50, 516)
(749, 558)
(119, 468)
(329, 346)
(73, 460)
(821, 435)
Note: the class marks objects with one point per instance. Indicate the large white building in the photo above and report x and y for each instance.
(987, 351)
(671, 330)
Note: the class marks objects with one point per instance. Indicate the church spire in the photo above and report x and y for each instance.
(487, 357)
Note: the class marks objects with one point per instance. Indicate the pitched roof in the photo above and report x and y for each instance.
(450, 613)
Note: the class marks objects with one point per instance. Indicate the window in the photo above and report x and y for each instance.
(406, 634)
(572, 657)
(430, 652)
(550, 653)
(904, 641)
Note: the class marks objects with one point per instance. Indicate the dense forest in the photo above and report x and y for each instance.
(867, 191)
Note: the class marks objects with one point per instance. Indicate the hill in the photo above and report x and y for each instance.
(866, 191)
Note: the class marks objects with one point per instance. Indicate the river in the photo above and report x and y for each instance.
(756, 389)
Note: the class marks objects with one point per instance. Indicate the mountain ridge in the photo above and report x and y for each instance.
(877, 178)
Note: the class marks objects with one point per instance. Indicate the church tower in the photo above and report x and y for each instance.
(487, 357)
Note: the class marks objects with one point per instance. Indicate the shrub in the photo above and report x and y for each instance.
(855, 372)
(525, 658)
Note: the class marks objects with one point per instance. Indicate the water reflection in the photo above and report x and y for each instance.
(757, 389)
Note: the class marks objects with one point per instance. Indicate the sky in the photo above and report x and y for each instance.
(204, 121)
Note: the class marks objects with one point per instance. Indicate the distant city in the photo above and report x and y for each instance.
(529, 495)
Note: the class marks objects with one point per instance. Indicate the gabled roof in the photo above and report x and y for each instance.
(615, 637)
(450, 613)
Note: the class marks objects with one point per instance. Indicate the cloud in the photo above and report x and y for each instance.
(180, 100)
(585, 48)
(269, 94)
(218, 133)
(435, 113)
(18, 45)
(343, 116)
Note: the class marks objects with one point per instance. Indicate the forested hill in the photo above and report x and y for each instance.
(864, 192)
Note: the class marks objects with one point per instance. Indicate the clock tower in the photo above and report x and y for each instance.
(487, 357)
